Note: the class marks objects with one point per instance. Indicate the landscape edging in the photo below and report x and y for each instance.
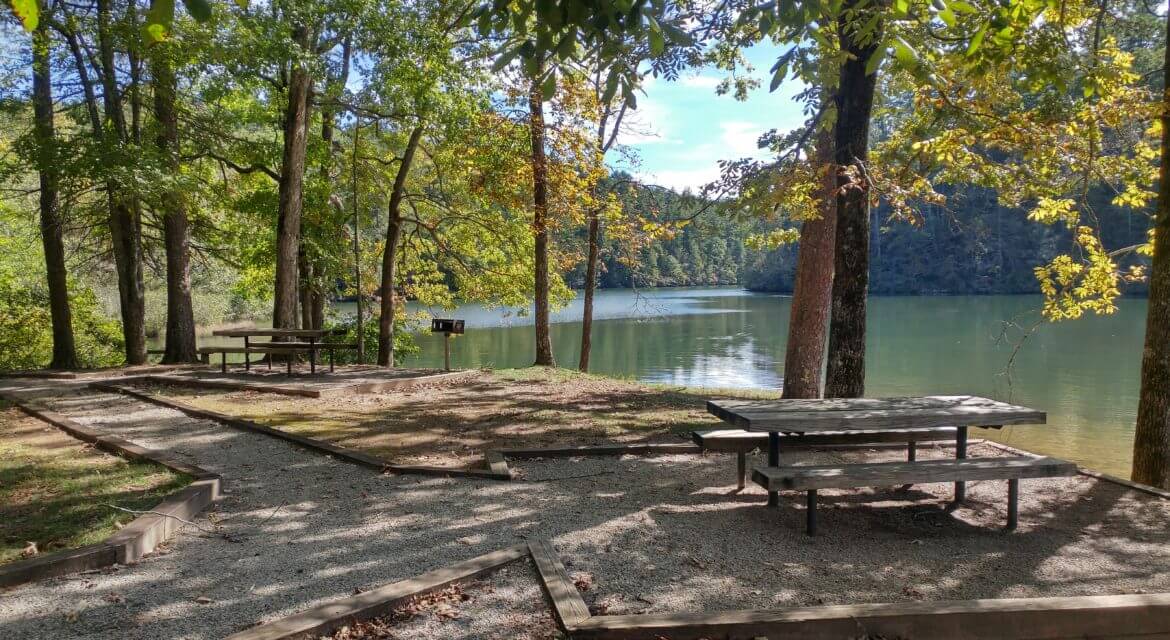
(135, 540)
(1053, 618)
(330, 616)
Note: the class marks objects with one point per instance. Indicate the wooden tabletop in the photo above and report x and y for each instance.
(858, 414)
(275, 333)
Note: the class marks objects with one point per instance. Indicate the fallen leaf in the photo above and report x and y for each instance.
(203, 600)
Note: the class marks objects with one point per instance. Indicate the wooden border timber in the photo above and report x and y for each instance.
(143, 534)
(290, 388)
(317, 446)
(328, 617)
(568, 606)
(1128, 616)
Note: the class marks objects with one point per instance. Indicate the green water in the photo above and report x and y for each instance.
(1083, 373)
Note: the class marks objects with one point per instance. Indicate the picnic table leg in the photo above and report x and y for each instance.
(223, 362)
(312, 355)
(288, 363)
(1013, 503)
(911, 456)
(247, 359)
(811, 515)
(960, 454)
(773, 461)
(331, 360)
(741, 459)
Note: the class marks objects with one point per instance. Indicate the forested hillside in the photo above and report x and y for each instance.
(970, 246)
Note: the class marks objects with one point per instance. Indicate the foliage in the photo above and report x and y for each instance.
(404, 341)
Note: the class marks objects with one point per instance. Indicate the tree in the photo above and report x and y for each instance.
(180, 337)
(64, 351)
(859, 27)
(1151, 447)
(812, 292)
(540, 222)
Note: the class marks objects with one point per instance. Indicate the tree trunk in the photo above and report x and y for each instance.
(812, 292)
(125, 224)
(590, 287)
(292, 174)
(1151, 446)
(180, 340)
(544, 352)
(390, 253)
(64, 350)
(846, 370)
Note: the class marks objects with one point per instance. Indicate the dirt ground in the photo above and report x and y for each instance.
(451, 425)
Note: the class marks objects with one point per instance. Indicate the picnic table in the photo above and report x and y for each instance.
(903, 414)
(311, 338)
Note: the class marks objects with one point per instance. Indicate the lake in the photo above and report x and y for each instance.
(1084, 373)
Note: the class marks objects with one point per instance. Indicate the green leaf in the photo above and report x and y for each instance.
(611, 86)
(961, 6)
(505, 58)
(548, 88)
(158, 20)
(875, 60)
(778, 77)
(199, 9)
(904, 53)
(27, 11)
(977, 40)
(657, 43)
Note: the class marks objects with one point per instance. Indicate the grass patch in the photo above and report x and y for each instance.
(53, 488)
(509, 408)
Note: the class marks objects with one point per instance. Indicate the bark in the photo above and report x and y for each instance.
(292, 174)
(590, 287)
(125, 224)
(390, 253)
(544, 352)
(180, 341)
(812, 292)
(64, 349)
(605, 140)
(855, 92)
(357, 249)
(1151, 446)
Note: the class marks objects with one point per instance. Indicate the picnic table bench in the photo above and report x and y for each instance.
(305, 340)
(781, 419)
(742, 442)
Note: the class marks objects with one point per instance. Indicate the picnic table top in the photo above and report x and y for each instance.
(862, 414)
(275, 333)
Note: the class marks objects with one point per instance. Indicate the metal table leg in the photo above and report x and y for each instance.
(312, 355)
(960, 454)
(247, 358)
(773, 461)
(1013, 503)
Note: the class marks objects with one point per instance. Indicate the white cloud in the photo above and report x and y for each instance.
(700, 82)
(682, 179)
(739, 138)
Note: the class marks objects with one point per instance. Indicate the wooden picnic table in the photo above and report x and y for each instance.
(871, 414)
(310, 335)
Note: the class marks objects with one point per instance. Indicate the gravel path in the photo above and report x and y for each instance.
(653, 534)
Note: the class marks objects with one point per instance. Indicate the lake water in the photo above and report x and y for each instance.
(1084, 373)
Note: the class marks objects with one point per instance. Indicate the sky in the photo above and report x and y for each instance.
(682, 129)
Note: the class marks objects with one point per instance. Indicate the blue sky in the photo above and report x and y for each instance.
(682, 129)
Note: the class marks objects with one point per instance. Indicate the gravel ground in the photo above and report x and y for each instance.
(507, 605)
(654, 534)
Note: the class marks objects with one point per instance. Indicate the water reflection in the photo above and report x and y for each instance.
(1083, 373)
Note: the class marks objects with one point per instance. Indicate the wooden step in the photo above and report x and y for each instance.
(737, 440)
(881, 474)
